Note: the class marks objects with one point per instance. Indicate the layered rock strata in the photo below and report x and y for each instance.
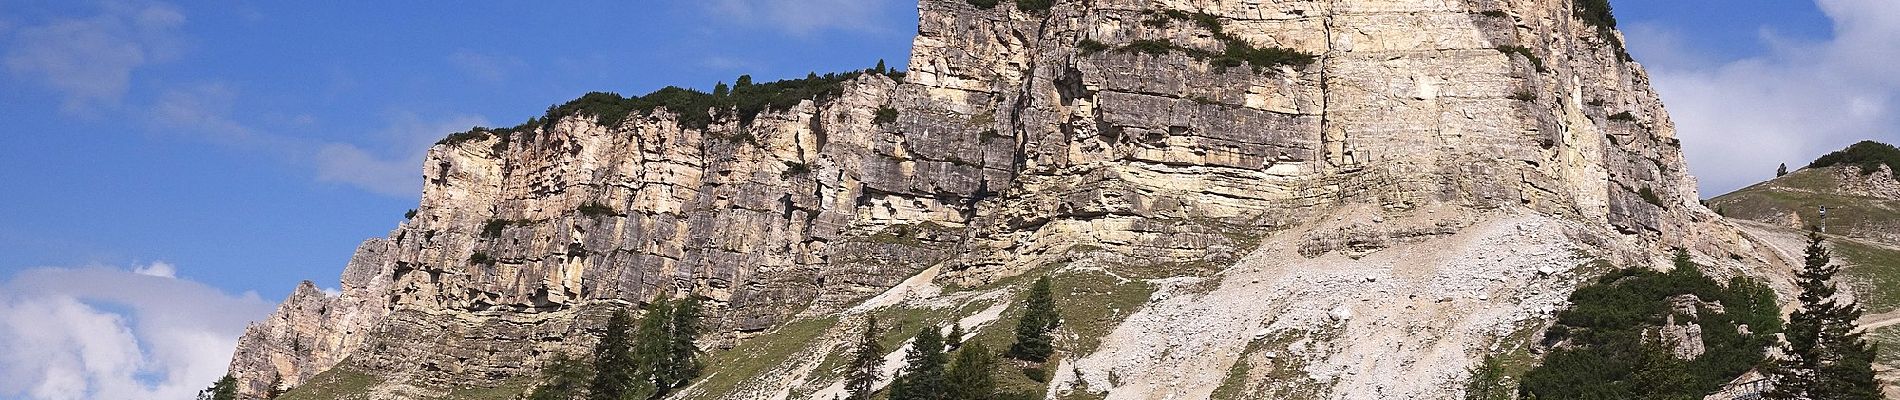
(1020, 137)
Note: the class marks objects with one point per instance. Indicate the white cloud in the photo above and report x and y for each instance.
(90, 60)
(801, 16)
(1740, 118)
(101, 333)
(397, 175)
(157, 268)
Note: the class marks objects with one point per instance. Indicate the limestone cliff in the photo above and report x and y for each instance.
(1356, 211)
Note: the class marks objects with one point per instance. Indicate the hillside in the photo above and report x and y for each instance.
(1863, 222)
(1338, 199)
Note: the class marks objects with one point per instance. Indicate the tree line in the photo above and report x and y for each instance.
(1606, 345)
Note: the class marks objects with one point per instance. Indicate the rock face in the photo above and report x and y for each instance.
(1023, 138)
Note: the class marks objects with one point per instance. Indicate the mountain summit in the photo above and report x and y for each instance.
(1289, 199)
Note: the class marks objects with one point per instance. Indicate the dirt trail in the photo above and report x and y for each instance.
(1877, 321)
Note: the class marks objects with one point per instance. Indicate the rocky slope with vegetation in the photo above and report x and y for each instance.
(1252, 199)
(1858, 189)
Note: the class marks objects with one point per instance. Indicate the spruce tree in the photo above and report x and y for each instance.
(563, 379)
(1824, 357)
(954, 339)
(923, 378)
(969, 375)
(653, 350)
(880, 67)
(615, 370)
(866, 364)
(223, 389)
(1033, 339)
(721, 90)
(682, 358)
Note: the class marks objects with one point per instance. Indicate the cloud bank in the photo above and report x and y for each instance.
(1738, 119)
(104, 333)
(90, 60)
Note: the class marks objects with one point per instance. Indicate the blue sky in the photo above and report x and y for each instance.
(250, 145)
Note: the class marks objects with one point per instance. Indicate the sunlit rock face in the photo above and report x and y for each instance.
(1020, 139)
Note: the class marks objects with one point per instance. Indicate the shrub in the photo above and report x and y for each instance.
(476, 133)
(1524, 95)
(1868, 155)
(1649, 196)
(885, 115)
(985, 4)
(1494, 13)
(594, 209)
(1090, 46)
(493, 227)
(1607, 355)
(1149, 46)
(409, 215)
(794, 168)
(1035, 5)
(1596, 13)
(1623, 116)
(480, 258)
(1527, 53)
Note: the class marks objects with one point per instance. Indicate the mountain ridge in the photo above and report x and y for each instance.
(1356, 197)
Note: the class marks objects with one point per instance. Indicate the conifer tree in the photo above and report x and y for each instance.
(969, 375)
(1033, 339)
(721, 90)
(223, 389)
(652, 350)
(1782, 170)
(1824, 357)
(682, 362)
(954, 339)
(880, 67)
(744, 80)
(563, 379)
(615, 370)
(922, 378)
(866, 364)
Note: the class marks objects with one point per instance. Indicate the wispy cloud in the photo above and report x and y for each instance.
(1739, 118)
(397, 172)
(90, 60)
(104, 333)
(801, 16)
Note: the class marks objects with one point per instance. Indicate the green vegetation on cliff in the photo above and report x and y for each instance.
(1609, 345)
(693, 108)
(1867, 155)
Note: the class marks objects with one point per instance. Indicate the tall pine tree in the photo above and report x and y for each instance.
(867, 364)
(616, 374)
(563, 379)
(1824, 358)
(922, 378)
(1033, 339)
(969, 375)
(682, 358)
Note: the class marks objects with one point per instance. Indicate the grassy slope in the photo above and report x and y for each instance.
(1803, 193)
(1873, 268)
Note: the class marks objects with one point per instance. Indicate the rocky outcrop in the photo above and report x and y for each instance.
(1024, 139)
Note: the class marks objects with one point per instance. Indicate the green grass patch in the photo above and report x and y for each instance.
(508, 390)
(1888, 339)
(338, 383)
(1873, 273)
(726, 370)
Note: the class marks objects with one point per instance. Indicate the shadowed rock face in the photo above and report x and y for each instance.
(1015, 141)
